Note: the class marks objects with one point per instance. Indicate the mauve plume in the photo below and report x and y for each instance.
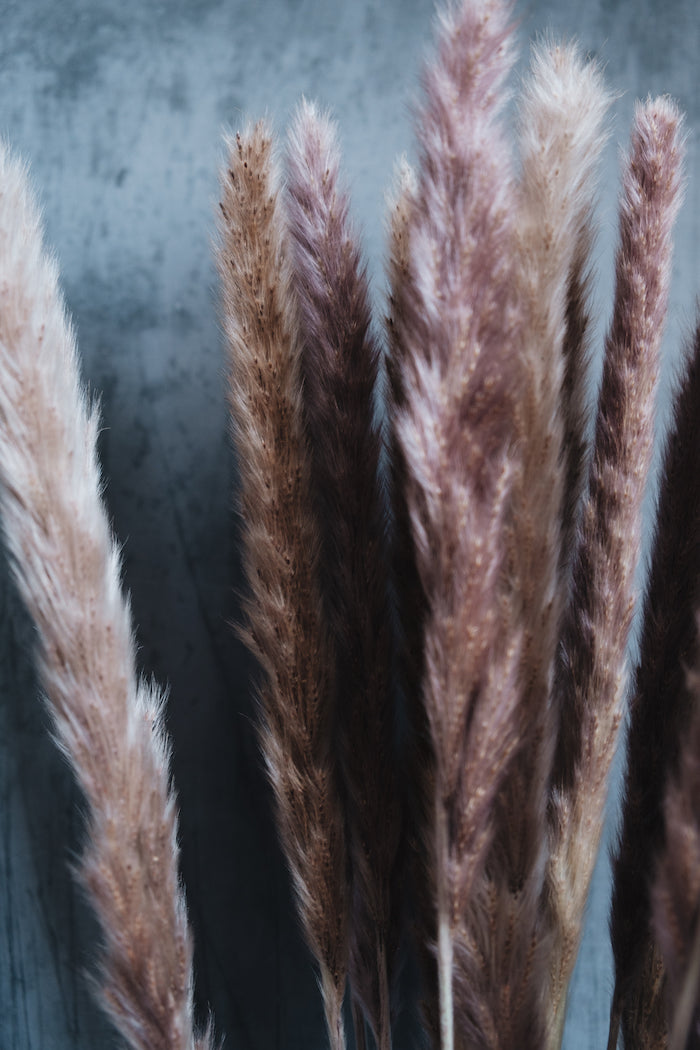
(459, 329)
(675, 890)
(109, 725)
(418, 782)
(561, 114)
(660, 706)
(591, 673)
(281, 544)
(339, 364)
(400, 202)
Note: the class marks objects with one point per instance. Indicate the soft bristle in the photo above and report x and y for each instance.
(457, 328)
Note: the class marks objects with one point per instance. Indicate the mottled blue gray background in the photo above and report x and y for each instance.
(120, 107)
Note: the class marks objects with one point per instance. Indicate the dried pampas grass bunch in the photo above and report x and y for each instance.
(440, 568)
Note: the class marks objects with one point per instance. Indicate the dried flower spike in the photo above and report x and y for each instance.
(340, 362)
(285, 629)
(458, 330)
(109, 724)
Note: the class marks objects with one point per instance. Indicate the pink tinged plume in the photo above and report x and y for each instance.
(109, 724)
(660, 703)
(592, 674)
(340, 363)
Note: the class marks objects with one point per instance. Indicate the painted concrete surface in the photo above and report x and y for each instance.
(120, 109)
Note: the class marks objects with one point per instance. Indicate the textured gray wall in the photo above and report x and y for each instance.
(119, 107)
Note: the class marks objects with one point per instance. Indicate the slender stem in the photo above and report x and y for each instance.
(559, 1019)
(333, 1005)
(445, 944)
(358, 1023)
(614, 1028)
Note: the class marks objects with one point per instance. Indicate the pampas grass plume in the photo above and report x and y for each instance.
(285, 629)
(109, 725)
(561, 114)
(458, 329)
(340, 362)
(593, 671)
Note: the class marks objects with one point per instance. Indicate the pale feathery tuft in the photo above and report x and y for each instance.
(459, 330)
(592, 669)
(561, 116)
(285, 625)
(340, 363)
(660, 706)
(108, 723)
